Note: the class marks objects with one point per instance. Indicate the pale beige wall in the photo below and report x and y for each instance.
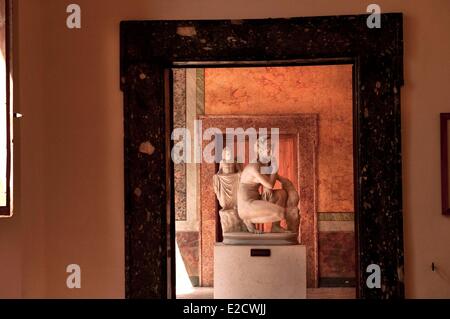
(70, 174)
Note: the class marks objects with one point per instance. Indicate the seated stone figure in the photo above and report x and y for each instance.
(272, 204)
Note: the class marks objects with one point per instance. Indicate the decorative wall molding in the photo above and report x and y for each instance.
(304, 127)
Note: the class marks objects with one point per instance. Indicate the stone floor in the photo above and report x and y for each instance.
(313, 293)
(198, 293)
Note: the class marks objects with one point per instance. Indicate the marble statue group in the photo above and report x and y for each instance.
(247, 196)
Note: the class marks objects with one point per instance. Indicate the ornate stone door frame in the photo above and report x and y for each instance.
(150, 48)
(304, 128)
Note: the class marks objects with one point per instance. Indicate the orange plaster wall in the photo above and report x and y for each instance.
(326, 90)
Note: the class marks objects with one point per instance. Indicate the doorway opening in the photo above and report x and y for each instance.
(149, 49)
(234, 95)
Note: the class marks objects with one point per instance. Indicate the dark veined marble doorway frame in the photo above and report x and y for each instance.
(150, 48)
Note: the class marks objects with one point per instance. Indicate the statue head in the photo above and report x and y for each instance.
(263, 149)
(228, 164)
(227, 155)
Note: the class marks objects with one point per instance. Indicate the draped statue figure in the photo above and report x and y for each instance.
(226, 183)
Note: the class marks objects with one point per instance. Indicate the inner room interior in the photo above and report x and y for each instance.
(320, 163)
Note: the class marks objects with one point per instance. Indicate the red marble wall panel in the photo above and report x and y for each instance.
(188, 243)
(179, 121)
(337, 254)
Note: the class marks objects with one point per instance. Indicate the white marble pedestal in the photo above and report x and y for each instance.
(238, 275)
